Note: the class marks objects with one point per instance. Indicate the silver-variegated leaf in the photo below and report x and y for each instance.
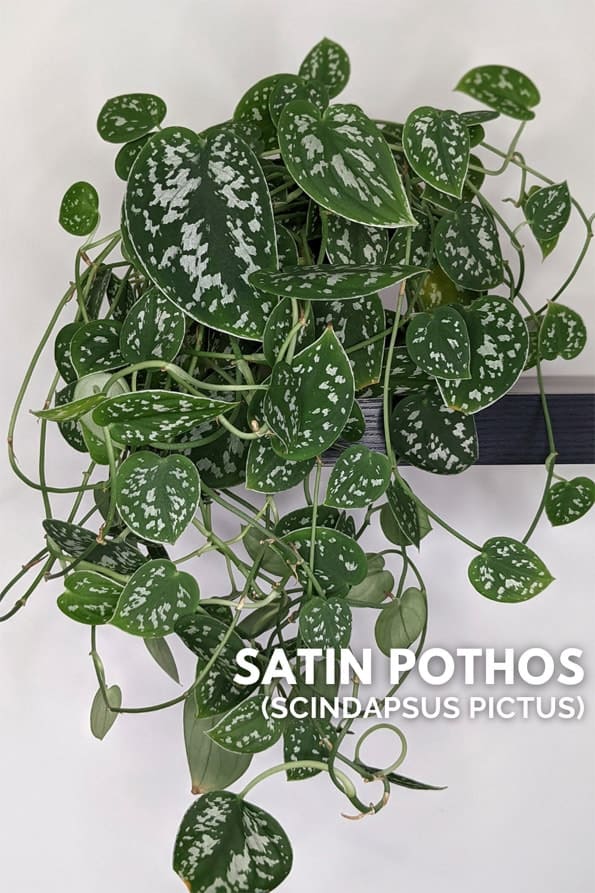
(567, 501)
(353, 322)
(438, 343)
(304, 739)
(153, 329)
(130, 116)
(252, 116)
(291, 86)
(62, 351)
(95, 347)
(267, 472)
(328, 63)
(325, 623)
(507, 570)
(342, 282)
(247, 728)
(75, 541)
(436, 145)
(79, 209)
(548, 210)
(156, 595)
(278, 327)
(339, 562)
(359, 477)
(89, 597)
(503, 88)
(404, 510)
(562, 333)
(354, 243)
(467, 248)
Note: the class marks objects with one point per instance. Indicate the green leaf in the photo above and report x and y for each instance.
(499, 345)
(154, 598)
(508, 571)
(303, 740)
(436, 290)
(354, 243)
(438, 343)
(413, 785)
(79, 210)
(420, 250)
(480, 116)
(467, 248)
(562, 333)
(225, 844)
(436, 145)
(146, 417)
(66, 412)
(153, 329)
(502, 88)
(130, 116)
(473, 182)
(95, 347)
(325, 623)
(162, 654)
(266, 472)
(199, 216)
(245, 729)
(89, 597)
(374, 589)
(404, 510)
(355, 426)
(324, 283)
(326, 516)
(93, 435)
(342, 161)
(567, 501)
(354, 322)
(211, 767)
(203, 634)
(358, 478)
(221, 461)
(71, 431)
(75, 541)
(402, 622)
(128, 155)
(328, 63)
(392, 529)
(157, 497)
(278, 327)
(263, 619)
(548, 210)
(252, 116)
(102, 718)
(309, 402)
(62, 351)
(339, 562)
(286, 249)
(431, 436)
(258, 549)
(289, 87)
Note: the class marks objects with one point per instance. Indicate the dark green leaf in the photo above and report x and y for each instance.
(89, 597)
(325, 623)
(259, 549)
(438, 343)
(128, 155)
(95, 347)
(66, 412)
(289, 87)
(467, 248)
(392, 530)
(303, 740)
(221, 461)
(286, 249)
(339, 562)
(401, 622)
(436, 290)
(70, 539)
(420, 250)
(354, 243)
(354, 322)
(504, 89)
(436, 145)
(358, 478)
(70, 431)
(130, 116)
(326, 516)
(481, 116)
(355, 426)
(79, 210)
(547, 210)
(508, 571)
(568, 501)
(266, 472)
(246, 729)
(405, 510)
(62, 351)
(153, 329)
(562, 333)
(376, 586)
(211, 767)
(154, 598)
(252, 116)
(263, 619)
(328, 63)
(278, 327)
(324, 283)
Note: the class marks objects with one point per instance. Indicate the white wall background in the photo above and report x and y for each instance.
(76, 814)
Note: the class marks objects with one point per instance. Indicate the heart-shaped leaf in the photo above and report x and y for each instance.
(354, 322)
(154, 329)
(128, 155)
(508, 571)
(547, 210)
(467, 248)
(95, 347)
(198, 214)
(438, 343)
(246, 728)
(266, 472)
(404, 510)
(376, 586)
(157, 497)
(146, 417)
(130, 116)
(221, 461)
(402, 622)
(339, 562)
(154, 598)
(289, 87)
(79, 209)
(308, 403)
(211, 767)
(358, 478)
(324, 283)
(75, 541)
(431, 436)
(325, 623)
(393, 531)
(436, 289)
(499, 344)
(562, 333)
(342, 161)
(354, 243)
(263, 619)
(89, 597)
(252, 116)
(567, 501)
(436, 145)
(505, 89)
(271, 559)
(278, 328)
(225, 844)
(328, 63)
(303, 740)
(102, 718)
(203, 635)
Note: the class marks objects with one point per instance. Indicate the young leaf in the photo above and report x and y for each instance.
(128, 155)
(339, 562)
(374, 589)
(401, 622)
(328, 63)
(325, 623)
(358, 478)
(246, 729)
(89, 597)
(79, 210)
(154, 598)
(157, 497)
(95, 347)
(467, 248)
(354, 243)
(354, 322)
(562, 333)
(508, 571)
(431, 436)
(75, 541)
(505, 89)
(289, 87)
(266, 472)
(153, 329)
(146, 417)
(199, 216)
(102, 718)
(211, 767)
(405, 510)
(130, 116)
(224, 840)
(436, 145)
(342, 161)
(162, 654)
(567, 501)
(438, 343)
(324, 283)
(499, 344)
(547, 211)
(308, 403)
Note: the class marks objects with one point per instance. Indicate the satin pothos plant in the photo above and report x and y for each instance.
(221, 341)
